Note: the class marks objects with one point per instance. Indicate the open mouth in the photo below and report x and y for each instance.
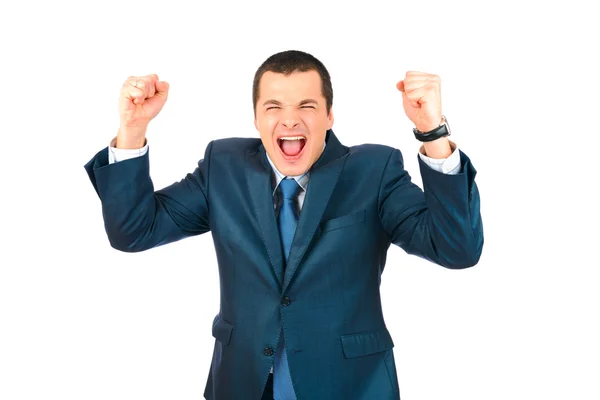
(291, 146)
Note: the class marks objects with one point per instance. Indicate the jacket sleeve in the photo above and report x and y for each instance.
(136, 217)
(442, 222)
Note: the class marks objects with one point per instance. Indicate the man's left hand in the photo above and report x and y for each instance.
(422, 99)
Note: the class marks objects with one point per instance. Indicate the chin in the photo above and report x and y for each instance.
(296, 170)
(290, 167)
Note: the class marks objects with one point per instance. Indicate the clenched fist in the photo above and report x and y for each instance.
(141, 99)
(422, 100)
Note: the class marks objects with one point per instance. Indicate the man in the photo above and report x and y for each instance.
(301, 226)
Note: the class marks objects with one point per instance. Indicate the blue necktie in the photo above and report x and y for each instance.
(288, 220)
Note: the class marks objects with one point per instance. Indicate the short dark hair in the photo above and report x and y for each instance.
(287, 62)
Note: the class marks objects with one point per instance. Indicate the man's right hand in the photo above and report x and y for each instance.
(141, 99)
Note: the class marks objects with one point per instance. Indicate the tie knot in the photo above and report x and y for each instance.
(289, 188)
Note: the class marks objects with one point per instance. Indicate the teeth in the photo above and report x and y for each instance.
(292, 138)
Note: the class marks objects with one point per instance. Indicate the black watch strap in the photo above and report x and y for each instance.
(440, 131)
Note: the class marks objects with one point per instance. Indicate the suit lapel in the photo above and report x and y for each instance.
(258, 179)
(323, 179)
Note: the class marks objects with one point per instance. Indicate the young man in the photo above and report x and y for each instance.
(301, 225)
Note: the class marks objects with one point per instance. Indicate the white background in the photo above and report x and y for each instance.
(80, 320)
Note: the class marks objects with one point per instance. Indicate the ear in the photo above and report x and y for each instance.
(256, 124)
(330, 119)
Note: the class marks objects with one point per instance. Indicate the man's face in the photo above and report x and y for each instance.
(291, 116)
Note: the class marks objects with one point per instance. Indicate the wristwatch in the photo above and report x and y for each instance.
(440, 131)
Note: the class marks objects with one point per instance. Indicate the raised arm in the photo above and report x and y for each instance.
(443, 222)
(137, 218)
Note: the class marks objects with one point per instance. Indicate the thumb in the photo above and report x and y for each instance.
(400, 86)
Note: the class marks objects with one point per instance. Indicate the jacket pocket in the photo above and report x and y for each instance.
(343, 221)
(363, 344)
(221, 330)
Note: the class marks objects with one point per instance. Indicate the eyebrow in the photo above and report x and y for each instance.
(303, 102)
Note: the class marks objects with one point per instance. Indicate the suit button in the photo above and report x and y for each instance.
(286, 301)
(268, 351)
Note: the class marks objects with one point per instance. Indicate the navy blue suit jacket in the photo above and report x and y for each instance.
(359, 201)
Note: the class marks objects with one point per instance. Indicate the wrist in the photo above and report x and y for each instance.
(426, 128)
(442, 130)
(439, 148)
(128, 145)
(130, 141)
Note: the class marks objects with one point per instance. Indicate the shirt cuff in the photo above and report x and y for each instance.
(115, 154)
(450, 165)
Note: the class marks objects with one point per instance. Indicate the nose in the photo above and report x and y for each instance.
(290, 118)
(290, 124)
